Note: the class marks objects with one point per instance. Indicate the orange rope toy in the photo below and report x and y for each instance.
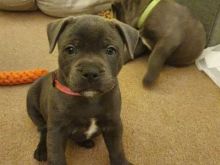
(20, 77)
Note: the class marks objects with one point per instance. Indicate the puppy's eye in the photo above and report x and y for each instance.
(71, 50)
(110, 51)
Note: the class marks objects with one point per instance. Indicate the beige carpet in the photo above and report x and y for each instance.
(177, 122)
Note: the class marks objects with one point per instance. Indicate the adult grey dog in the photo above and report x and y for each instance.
(81, 99)
(169, 30)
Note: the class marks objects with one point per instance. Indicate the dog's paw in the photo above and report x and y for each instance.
(147, 81)
(40, 153)
(87, 144)
(129, 163)
(121, 162)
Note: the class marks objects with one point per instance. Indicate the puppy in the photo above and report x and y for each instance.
(81, 99)
(170, 31)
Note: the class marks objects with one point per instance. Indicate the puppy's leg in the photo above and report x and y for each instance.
(113, 141)
(41, 151)
(162, 50)
(56, 144)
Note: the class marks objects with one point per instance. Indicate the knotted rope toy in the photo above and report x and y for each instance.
(9, 78)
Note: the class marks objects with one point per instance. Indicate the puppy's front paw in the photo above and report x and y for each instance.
(127, 163)
(40, 153)
(148, 81)
(122, 163)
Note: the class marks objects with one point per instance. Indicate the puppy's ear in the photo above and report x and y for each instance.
(129, 35)
(54, 30)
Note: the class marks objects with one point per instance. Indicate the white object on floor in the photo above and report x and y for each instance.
(63, 8)
(209, 62)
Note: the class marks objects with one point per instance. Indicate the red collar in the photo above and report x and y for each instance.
(61, 87)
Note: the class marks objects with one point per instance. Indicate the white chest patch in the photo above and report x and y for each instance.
(92, 128)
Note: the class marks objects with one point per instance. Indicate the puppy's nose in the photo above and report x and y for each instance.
(90, 73)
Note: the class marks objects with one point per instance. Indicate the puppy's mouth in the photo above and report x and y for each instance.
(95, 92)
(90, 93)
(91, 88)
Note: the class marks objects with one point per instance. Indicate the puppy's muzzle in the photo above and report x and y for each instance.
(90, 72)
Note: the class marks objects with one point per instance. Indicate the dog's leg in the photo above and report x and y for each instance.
(41, 152)
(161, 51)
(113, 141)
(33, 111)
(56, 144)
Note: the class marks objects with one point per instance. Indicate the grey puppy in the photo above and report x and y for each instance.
(81, 99)
(171, 32)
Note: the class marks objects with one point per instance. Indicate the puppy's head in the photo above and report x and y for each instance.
(91, 51)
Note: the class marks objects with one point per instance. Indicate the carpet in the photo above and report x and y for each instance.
(176, 122)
